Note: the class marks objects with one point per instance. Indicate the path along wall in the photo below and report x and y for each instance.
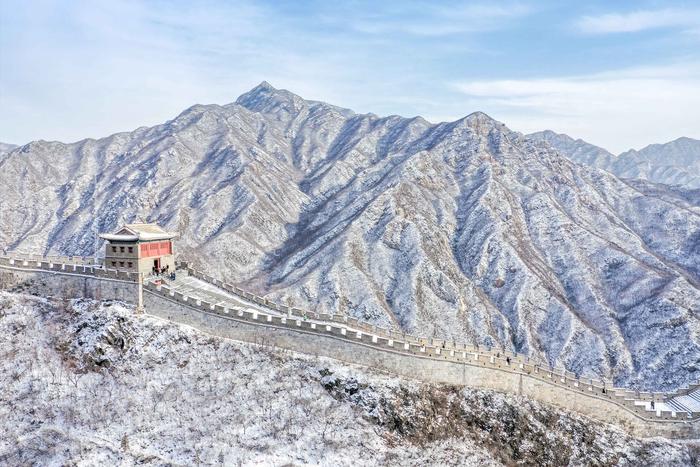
(437, 343)
(399, 354)
(416, 362)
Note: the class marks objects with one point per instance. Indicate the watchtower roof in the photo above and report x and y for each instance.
(139, 232)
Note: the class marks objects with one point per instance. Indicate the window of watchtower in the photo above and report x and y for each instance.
(121, 249)
(114, 249)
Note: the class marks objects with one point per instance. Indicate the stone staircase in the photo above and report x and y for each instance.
(687, 403)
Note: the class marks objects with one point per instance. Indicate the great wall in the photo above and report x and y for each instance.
(243, 316)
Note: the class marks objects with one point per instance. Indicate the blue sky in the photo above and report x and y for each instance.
(617, 74)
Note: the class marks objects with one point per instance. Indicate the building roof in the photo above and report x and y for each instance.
(139, 232)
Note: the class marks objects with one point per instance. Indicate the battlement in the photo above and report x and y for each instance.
(349, 339)
(344, 328)
(72, 265)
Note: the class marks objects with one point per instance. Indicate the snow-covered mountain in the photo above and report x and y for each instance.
(674, 163)
(465, 230)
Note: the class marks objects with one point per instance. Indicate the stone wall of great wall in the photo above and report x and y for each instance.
(349, 340)
(49, 278)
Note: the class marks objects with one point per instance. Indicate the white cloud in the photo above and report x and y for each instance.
(616, 110)
(439, 19)
(639, 21)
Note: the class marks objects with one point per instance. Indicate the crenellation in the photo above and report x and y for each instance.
(431, 359)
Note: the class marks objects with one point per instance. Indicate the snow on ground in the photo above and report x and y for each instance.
(88, 383)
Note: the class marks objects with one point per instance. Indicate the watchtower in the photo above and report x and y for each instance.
(141, 248)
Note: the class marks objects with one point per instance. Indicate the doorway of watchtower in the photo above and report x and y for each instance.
(156, 264)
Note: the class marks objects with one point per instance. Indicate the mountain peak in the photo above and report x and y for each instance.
(262, 90)
(554, 137)
(267, 99)
(686, 140)
(478, 119)
(479, 115)
(263, 86)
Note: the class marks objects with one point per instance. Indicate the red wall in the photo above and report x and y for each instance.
(156, 249)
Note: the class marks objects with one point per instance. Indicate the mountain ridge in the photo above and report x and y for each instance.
(676, 162)
(464, 230)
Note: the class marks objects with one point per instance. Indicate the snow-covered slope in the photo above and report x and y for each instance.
(85, 383)
(674, 163)
(465, 230)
